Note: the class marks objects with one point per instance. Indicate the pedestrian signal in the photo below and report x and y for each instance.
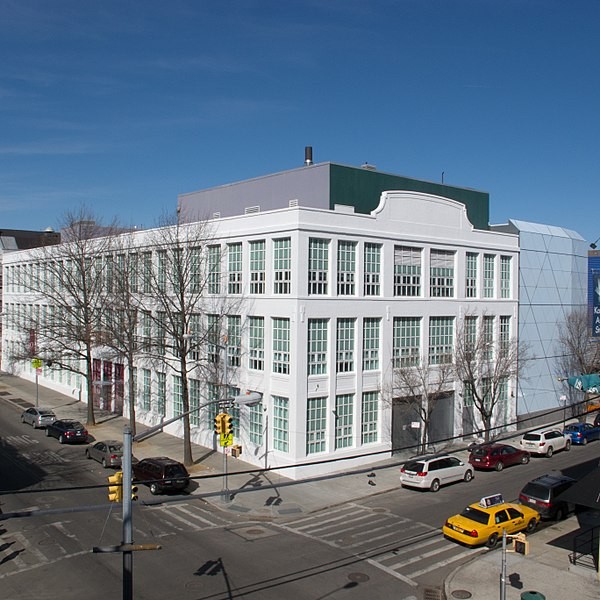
(520, 544)
(134, 492)
(115, 487)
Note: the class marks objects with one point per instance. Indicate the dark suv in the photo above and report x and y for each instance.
(161, 474)
(543, 494)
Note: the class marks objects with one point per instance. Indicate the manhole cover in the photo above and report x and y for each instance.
(253, 533)
(358, 577)
(461, 594)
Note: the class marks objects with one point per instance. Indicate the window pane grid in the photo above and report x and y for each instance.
(371, 327)
(441, 274)
(280, 424)
(346, 268)
(471, 275)
(441, 340)
(318, 266)
(234, 270)
(406, 351)
(256, 355)
(407, 271)
(282, 256)
(345, 345)
(505, 263)
(372, 269)
(488, 275)
(344, 420)
(316, 423)
(317, 346)
(214, 269)
(369, 417)
(281, 346)
(256, 424)
(257, 267)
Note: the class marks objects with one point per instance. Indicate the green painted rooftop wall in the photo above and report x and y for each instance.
(362, 189)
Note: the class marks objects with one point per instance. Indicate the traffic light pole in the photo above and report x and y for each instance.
(127, 516)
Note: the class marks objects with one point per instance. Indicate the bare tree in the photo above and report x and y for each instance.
(187, 305)
(421, 386)
(578, 352)
(486, 365)
(67, 283)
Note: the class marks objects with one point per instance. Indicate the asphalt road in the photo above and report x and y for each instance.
(387, 546)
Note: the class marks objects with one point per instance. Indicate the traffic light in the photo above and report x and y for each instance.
(115, 487)
(219, 424)
(520, 544)
(227, 424)
(134, 492)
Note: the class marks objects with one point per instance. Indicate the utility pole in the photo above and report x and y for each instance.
(127, 516)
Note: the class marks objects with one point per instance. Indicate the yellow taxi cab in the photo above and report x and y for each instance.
(483, 522)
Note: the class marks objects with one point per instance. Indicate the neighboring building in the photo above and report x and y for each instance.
(552, 283)
(20, 239)
(336, 288)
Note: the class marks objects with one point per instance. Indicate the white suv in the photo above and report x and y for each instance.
(431, 472)
(545, 442)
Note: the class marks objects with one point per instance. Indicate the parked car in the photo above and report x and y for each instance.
(431, 472)
(597, 420)
(497, 456)
(483, 522)
(67, 431)
(161, 474)
(582, 433)
(543, 494)
(38, 417)
(108, 452)
(545, 442)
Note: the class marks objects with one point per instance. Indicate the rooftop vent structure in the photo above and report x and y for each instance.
(308, 156)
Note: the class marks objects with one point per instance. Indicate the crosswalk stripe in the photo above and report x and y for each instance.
(442, 563)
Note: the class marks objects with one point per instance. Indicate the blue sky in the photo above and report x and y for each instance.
(122, 105)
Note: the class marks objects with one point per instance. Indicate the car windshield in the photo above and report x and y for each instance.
(536, 491)
(175, 471)
(480, 451)
(476, 515)
(532, 436)
(572, 428)
(417, 467)
(46, 413)
(115, 448)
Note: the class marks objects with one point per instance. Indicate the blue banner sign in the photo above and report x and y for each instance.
(586, 383)
(596, 304)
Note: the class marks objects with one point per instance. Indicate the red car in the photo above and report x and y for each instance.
(497, 456)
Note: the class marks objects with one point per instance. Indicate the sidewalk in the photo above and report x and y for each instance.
(545, 570)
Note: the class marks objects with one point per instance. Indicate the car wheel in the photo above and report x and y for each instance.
(550, 451)
(525, 460)
(468, 475)
(499, 466)
(87, 454)
(584, 441)
(104, 463)
(568, 445)
(61, 439)
(492, 541)
(435, 485)
(154, 489)
(22, 419)
(47, 432)
(531, 525)
(560, 514)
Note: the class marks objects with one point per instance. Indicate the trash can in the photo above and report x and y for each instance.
(532, 596)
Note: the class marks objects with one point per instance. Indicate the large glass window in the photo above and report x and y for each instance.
(147, 272)
(257, 267)
(161, 269)
(281, 346)
(282, 266)
(177, 396)
(214, 269)
(470, 333)
(195, 270)
(406, 350)
(317, 346)
(505, 266)
(234, 340)
(280, 424)
(504, 333)
(488, 275)
(146, 388)
(161, 393)
(488, 337)
(256, 343)
(372, 270)
(255, 417)
(195, 394)
(407, 271)
(441, 274)
(344, 420)
(371, 337)
(471, 275)
(234, 269)
(345, 345)
(316, 424)
(318, 266)
(369, 417)
(441, 340)
(346, 264)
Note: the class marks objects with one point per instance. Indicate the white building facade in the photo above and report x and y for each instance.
(330, 301)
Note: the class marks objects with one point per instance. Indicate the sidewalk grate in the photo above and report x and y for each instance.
(433, 593)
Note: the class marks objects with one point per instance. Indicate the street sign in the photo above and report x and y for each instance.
(226, 439)
(586, 383)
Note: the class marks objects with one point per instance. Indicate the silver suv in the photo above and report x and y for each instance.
(431, 472)
(545, 442)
